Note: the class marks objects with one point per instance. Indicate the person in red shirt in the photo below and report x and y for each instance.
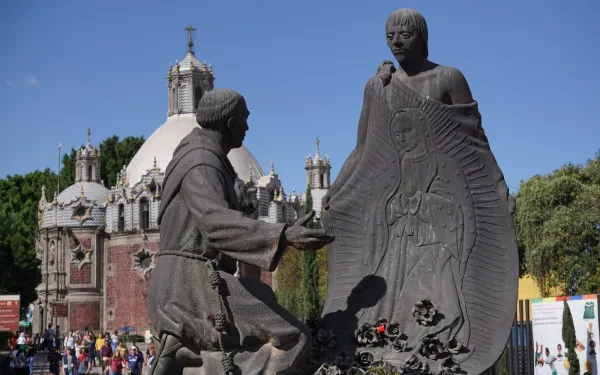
(85, 366)
(13, 341)
(115, 364)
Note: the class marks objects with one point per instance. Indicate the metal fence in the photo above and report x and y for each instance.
(518, 357)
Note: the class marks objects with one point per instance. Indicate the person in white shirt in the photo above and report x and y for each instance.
(550, 359)
(70, 341)
(21, 340)
(115, 340)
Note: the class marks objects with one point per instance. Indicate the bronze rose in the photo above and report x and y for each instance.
(432, 348)
(414, 365)
(400, 345)
(455, 346)
(327, 369)
(367, 335)
(449, 366)
(364, 359)
(424, 311)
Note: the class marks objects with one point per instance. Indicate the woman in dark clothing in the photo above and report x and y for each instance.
(55, 360)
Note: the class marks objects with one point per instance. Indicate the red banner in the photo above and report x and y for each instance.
(60, 309)
(9, 312)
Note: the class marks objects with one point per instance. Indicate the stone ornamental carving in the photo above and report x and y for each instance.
(143, 261)
(80, 256)
(81, 212)
(425, 242)
(51, 253)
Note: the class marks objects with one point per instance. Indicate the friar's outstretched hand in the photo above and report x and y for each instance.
(302, 238)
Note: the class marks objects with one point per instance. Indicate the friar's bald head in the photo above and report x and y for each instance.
(399, 27)
(218, 105)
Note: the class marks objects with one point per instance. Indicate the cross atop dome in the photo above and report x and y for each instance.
(190, 29)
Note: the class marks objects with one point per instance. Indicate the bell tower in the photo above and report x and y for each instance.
(318, 172)
(188, 80)
(87, 164)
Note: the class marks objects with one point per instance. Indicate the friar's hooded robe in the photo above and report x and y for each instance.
(199, 216)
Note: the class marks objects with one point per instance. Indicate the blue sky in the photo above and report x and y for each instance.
(302, 65)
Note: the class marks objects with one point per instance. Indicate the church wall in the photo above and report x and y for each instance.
(85, 314)
(83, 273)
(127, 281)
(80, 276)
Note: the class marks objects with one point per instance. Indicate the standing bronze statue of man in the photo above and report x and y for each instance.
(207, 320)
(421, 204)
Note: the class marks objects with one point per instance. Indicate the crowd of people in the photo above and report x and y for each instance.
(78, 352)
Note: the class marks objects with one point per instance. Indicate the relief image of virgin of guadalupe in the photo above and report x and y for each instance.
(425, 237)
(420, 205)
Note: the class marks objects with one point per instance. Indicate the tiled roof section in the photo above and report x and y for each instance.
(87, 194)
(62, 215)
(191, 61)
(91, 190)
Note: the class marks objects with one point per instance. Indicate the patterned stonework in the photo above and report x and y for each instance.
(81, 212)
(143, 261)
(80, 256)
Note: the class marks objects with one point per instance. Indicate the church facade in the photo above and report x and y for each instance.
(98, 246)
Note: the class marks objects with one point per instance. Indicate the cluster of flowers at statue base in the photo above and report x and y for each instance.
(383, 334)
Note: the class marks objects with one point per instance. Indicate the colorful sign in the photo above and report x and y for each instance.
(549, 348)
(9, 312)
(60, 309)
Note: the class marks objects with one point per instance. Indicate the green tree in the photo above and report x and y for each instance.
(558, 220)
(568, 336)
(288, 277)
(115, 154)
(19, 198)
(310, 273)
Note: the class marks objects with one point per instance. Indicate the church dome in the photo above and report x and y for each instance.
(92, 191)
(79, 205)
(165, 140)
(191, 62)
(187, 83)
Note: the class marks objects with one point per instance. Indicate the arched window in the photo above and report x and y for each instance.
(144, 213)
(152, 187)
(197, 96)
(121, 223)
(284, 214)
(321, 181)
(89, 173)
